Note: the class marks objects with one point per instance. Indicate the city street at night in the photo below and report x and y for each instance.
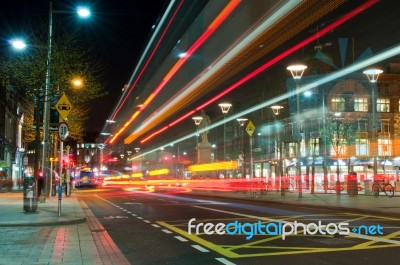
(199, 132)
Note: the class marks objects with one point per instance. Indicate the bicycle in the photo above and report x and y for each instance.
(289, 187)
(381, 185)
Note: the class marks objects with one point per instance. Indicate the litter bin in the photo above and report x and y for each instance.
(352, 184)
(30, 196)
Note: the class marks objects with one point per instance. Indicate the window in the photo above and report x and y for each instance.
(399, 105)
(314, 146)
(384, 128)
(361, 147)
(383, 105)
(338, 104)
(361, 104)
(384, 147)
(362, 125)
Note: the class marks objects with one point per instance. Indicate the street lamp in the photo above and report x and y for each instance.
(82, 12)
(337, 186)
(18, 44)
(276, 109)
(225, 108)
(373, 75)
(297, 72)
(242, 122)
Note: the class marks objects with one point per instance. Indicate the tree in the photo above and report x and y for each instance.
(26, 72)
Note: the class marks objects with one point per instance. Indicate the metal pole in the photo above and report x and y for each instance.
(337, 161)
(46, 108)
(325, 168)
(299, 182)
(60, 177)
(374, 129)
(251, 157)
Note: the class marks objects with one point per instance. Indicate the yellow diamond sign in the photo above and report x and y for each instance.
(63, 106)
(250, 128)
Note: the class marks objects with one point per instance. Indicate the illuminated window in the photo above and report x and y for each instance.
(361, 147)
(361, 104)
(384, 147)
(314, 146)
(338, 104)
(383, 105)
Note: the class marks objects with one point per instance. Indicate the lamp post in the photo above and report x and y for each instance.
(242, 122)
(297, 72)
(225, 108)
(337, 186)
(197, 120)
(373, 75)
(276, 110)
(82, 12)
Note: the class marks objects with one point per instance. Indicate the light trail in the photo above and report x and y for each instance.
(391, 52)
(259, 70)
(222, 16)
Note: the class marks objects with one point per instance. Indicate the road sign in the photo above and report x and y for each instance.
(63, 131)
(250, 128)
(63, 106)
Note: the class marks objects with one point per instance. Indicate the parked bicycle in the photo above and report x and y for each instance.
(382, 185)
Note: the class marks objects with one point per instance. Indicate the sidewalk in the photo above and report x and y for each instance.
(43, 237)
(361, 203)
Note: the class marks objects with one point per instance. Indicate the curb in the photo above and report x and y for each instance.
(50, 223)
(323, 207)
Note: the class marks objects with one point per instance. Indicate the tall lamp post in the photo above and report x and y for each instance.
(82, 12)
(276, 109)
(373, 75)
(225, 108)
(242, 122)
(297, 72)
(337, 186)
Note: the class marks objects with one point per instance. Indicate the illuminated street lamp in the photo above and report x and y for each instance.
(297, 72)
(276, 109)
(197, 120)
(373, 75)
(18, 44)
(82, 12)
(225, 109)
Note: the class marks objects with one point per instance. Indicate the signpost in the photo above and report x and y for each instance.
(63, 131)
(63, 107)
(250, 128)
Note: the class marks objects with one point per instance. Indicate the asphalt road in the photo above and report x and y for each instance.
(152, 228)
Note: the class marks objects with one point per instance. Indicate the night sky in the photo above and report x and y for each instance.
(116, 34)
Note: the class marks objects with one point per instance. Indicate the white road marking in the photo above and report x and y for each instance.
(200, 248)
(181, 238)
(155, 225)
(166, 231)
(225, 261)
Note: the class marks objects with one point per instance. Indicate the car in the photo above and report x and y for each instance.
(87, 178)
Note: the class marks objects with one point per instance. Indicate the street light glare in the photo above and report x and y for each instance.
(83, 12)
(18, 44)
